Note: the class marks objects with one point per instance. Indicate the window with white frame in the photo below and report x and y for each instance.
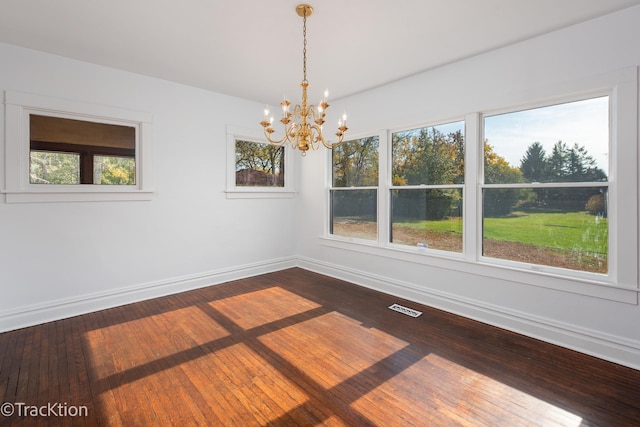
(548, 191)
(59, 151)
(259, 165)
(545, 188)
(354, 189)
(427, 178)
(255, 168)
(70, 152)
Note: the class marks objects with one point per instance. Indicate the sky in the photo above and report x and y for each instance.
(583, 122)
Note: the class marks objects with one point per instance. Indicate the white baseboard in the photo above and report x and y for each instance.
(60, 309)
(604, 346)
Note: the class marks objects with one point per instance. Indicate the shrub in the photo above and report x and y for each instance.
(596, 205)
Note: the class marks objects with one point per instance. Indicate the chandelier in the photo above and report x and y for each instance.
(303, 126)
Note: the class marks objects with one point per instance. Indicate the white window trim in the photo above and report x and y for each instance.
(382, 200)
(18, 189)
(621, 284)
(234, 192)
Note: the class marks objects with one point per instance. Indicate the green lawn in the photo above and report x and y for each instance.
(563, 230)
(560, 230)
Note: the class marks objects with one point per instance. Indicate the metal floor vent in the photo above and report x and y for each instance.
(405, 310)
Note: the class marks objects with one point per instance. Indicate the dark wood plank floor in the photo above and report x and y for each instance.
(301, 349)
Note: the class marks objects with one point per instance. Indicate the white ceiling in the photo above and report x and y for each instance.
(253, 48)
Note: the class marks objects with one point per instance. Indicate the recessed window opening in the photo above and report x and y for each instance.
(259, 164)
(68, 152)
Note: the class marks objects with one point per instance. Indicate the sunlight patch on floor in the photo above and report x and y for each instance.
(335, 341)
(440, 391)
(243, 383)
(253, 309)
(231, 385)
(146, 339)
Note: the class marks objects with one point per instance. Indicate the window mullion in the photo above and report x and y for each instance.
(472, 193)
(384, 183)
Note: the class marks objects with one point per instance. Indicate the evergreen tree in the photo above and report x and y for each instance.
(557, 163)
(564, 164)
(534, 163)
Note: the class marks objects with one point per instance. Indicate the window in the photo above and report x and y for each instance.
(427, 178)
(545, 194)
(259, 165)
(54, 167)
(60, 151)
(354, 192)
(69, 152)
(255, 168)
(545, 190)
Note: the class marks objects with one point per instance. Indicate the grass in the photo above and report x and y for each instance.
(575, 231)
(578, 231)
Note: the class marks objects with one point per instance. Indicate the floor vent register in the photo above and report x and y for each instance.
(405, 310)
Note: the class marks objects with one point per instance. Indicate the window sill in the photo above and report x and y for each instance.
(260, 194)
(456, 262)
(78, 195)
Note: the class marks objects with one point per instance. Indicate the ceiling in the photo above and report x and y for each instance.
(253, 48)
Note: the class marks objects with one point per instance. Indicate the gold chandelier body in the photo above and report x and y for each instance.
(303, 126)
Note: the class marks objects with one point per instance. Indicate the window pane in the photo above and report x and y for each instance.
(431, 155)
(354, 213)
(571, 232)
(54, 167)
(355, 163)
(427, 218)
(561, 143)
(259, 165)
(114, 170)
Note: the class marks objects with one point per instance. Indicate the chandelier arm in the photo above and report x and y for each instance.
(319, 138)
(276, 142)
(313, 111)
(334, 144)
(298, 111)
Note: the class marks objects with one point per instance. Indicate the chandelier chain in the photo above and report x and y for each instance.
(304, 48)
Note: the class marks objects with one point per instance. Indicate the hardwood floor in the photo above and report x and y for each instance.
(297, 348)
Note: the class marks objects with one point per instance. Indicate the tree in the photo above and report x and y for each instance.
(427, 157)
(54, 167)
(355, 163)
(556, 163)
(256, 160)
(114, 170)
(500, 201)
(569, 165)
(534, 163)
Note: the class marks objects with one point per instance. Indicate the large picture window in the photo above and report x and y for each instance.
(426, 194)
(545, 190)
(354, 192)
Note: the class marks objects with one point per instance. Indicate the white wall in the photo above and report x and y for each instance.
(504, 78)
(60, 259)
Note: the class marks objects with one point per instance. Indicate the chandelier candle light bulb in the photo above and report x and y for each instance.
(303, 126)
